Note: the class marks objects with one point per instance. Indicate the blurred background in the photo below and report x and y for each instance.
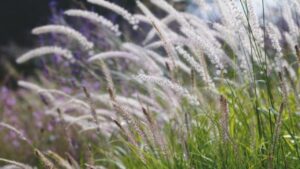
(18, 17)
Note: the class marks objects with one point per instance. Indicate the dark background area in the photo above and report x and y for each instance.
(18, 17)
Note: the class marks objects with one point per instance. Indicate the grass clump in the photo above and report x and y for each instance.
(195, 93)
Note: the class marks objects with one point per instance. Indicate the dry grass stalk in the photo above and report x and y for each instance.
(111, 94)
(89, 156)
(21, 165)
(107, 76)
(297, 53)
(134, 124)
(293, 84)
(19, 133)
(92, 108)
(276, 135)
(193, 79)
(224, 121)
(278, 122)
(131, 139)
(66, 129)
(72, 161)
(127, 133)
(170, 70)
(47, 164)
(129, 119)
(62, 163)
(157, 137)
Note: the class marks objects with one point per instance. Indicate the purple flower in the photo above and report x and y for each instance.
(96, 85)
(16, 143)
(12, 135)
(67, 90)
(11, 101)
(50, 127)
(4, 93)
(38, 116)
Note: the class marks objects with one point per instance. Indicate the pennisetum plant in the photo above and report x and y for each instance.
(223, 73)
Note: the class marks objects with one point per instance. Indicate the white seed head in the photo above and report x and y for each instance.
(119, 10)
(94, 17)
(199, 69)
(46, 50)
(114, 54)
(275, 40)
(70, 32)
(163, 82)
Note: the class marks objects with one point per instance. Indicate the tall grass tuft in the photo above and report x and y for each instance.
(200, 92)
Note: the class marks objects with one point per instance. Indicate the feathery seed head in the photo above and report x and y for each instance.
(46, 50)
(70, 32)
(94, 17)
(119, 10)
